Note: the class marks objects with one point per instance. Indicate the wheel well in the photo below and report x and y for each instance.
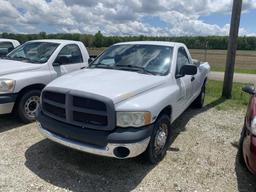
(205, 80)
(26, 89)
(31, 87)
(204, 84)
(167, 111)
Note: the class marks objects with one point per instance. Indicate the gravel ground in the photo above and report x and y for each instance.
(202, 157)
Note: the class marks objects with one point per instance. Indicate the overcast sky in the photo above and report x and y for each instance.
(125, 17)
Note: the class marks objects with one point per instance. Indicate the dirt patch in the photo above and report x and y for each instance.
(202, 157)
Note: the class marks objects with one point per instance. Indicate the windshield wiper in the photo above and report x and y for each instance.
(135, 68)
(123, 67)
(5, 57)
(11, 58)
(21, 59)
(101, 65)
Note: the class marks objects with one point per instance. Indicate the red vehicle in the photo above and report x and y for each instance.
(247, 145)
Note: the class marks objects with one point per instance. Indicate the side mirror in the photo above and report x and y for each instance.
(62, 60)
(188, 70)
(249, 89)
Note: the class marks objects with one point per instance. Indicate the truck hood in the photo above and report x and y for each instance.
(10, 66)
(115, 84)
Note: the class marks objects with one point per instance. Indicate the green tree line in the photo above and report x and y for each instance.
(99, 40)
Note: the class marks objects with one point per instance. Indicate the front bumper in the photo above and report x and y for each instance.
(7, 102)
(120, 143)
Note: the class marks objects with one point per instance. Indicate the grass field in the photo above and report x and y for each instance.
(245, 61)
(213, 95)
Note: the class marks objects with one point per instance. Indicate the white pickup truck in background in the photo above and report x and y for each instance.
(29, 68)
(125, 102)
(7, 45)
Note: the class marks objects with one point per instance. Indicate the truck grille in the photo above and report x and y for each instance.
(54, 110)
(80, 109)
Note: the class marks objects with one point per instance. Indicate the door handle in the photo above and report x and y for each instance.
(193, 78)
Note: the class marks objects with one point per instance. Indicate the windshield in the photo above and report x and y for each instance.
(33, 52)
(151, 59)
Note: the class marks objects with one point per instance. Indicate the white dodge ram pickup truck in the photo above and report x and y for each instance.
(29, 68)
(125, 102)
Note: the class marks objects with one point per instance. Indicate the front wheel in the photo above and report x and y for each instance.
(160, 140)
(28, 105)
(240, 148)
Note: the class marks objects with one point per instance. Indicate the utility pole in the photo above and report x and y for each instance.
(232, 46)
(205, 51)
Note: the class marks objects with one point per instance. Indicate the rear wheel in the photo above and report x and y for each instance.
(160, 140)
(28, 105)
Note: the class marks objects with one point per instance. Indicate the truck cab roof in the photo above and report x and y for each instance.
(56, 41)
(159, 43)
(4, 39)
(13, 41)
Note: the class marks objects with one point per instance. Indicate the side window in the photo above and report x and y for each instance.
(182, 59)
(70, 54)
(5, 48)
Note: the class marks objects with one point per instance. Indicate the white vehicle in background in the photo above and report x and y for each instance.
(29, 68)
(124, 103)
(7, 45)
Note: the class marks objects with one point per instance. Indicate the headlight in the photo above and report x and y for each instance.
(133, 119)
(6, 85)
(253, 126)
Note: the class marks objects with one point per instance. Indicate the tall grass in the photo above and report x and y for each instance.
(214, 92)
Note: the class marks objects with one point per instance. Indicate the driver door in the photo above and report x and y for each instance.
(184, 83)
(68, 60)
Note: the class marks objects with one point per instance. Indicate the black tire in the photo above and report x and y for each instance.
(240, 148)
(22, 106)
(199, 101)
(150, 154)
